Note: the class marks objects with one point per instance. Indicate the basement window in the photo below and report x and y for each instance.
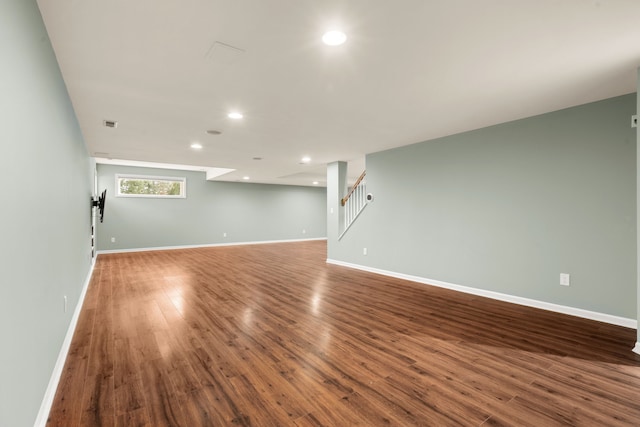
(166, 187)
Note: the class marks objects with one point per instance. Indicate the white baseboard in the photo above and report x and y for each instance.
(636, 349)
(50, 393)
(572, 311)
(212, 245)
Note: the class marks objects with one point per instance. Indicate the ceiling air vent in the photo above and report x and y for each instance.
(110, 123)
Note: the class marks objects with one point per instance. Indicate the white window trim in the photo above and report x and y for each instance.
(181, 179)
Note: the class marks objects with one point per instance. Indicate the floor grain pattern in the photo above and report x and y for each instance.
(271, 335)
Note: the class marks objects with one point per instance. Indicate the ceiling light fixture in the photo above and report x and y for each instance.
(245, 178)
(306, 159)
(315, 183)
(334, 38)
(235, 115)
(196, 146)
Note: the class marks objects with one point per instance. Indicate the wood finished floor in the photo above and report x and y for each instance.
(270, 335)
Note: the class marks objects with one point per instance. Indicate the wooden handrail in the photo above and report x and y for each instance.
(343, 201)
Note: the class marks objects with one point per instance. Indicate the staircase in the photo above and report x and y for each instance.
(354, 202)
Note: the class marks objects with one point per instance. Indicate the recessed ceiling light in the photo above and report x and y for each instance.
(315, 183)
(196, 146)
(235, 115)
(334, 38)
(246, 178)
(306, 159)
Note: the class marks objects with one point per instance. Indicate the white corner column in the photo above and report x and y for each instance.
(336, 188)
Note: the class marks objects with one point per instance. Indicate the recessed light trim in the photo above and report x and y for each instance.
(235, 115)
(334, 38)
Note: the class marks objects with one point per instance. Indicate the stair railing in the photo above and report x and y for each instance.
(354, 202)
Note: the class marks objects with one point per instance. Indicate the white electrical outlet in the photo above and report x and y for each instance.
(364, 251)
(565, 279)
(224, 234)
(304, 231)
(113, 240)
(331, 210)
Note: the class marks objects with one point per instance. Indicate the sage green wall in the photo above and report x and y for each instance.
(510, 207)
(638, 204)
(45, 245)
(246, 212)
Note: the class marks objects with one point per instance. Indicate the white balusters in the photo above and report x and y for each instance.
(354, 204)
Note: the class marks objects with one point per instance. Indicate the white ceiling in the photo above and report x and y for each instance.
(411, 70)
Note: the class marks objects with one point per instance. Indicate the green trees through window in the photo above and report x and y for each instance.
(149, 186)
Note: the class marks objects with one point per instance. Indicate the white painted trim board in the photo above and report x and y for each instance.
(212, 245)
(50, 393)
(572, 311)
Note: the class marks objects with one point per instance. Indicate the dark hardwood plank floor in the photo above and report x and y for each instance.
(270, 335)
